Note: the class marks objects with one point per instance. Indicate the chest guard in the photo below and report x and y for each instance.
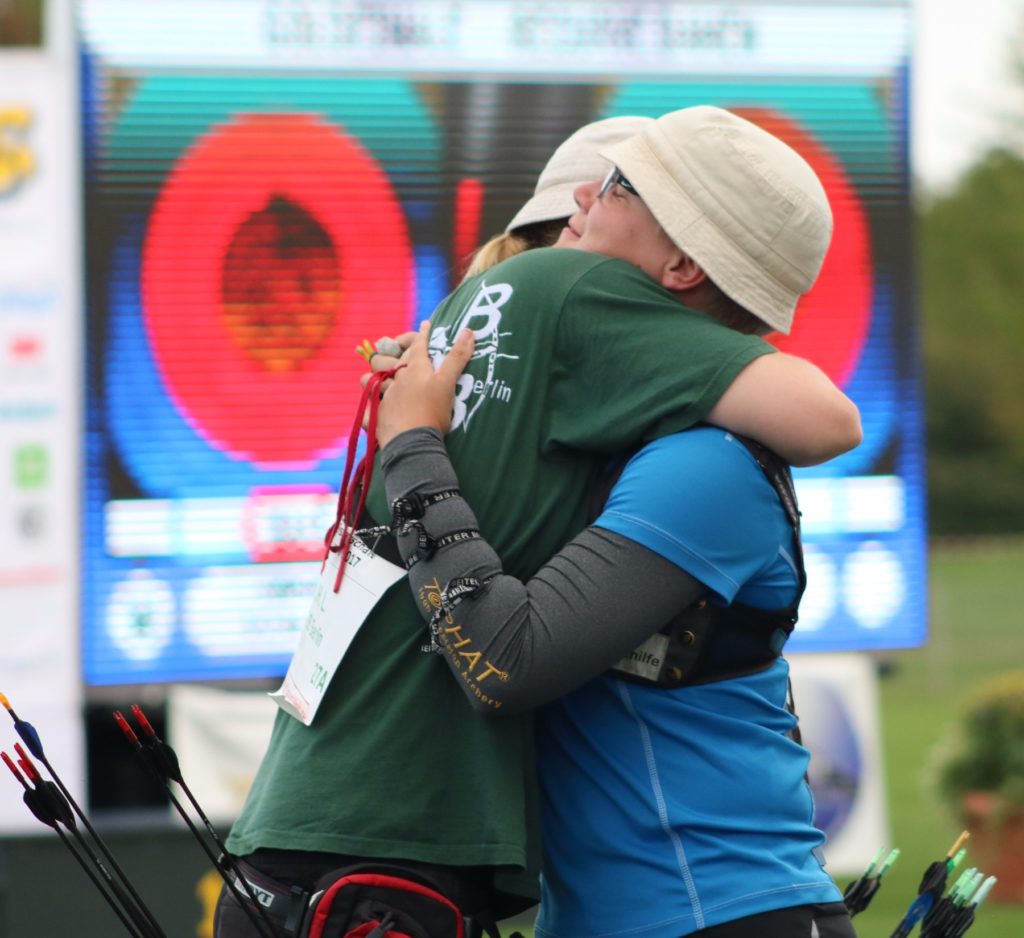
(707, 642)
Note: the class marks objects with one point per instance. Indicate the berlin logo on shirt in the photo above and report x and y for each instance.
(483, 315)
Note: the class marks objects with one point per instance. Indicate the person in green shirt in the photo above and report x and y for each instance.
(578, 356)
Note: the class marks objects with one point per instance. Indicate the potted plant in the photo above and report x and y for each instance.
(981, 776)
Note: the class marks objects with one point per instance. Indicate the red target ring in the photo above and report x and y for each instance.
(275, 246)
(833, 319)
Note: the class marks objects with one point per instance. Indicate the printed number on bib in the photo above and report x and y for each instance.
(333, 621)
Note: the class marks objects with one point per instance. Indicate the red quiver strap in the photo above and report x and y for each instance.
(377, 905)
(355, 485)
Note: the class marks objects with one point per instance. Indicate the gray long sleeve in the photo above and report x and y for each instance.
(515, 645)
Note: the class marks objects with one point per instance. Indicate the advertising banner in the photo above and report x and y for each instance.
(40, 386)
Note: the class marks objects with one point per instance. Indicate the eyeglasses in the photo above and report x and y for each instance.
(614, 178)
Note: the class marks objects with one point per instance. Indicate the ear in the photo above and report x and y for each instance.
(681, 273)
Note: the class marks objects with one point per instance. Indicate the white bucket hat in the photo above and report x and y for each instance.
(575, 161)
(743, 204)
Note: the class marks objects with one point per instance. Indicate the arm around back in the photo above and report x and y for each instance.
(791, 406)
(512, 645)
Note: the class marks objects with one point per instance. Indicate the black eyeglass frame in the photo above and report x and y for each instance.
(615, 177)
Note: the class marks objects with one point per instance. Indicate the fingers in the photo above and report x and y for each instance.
(381, 362)
(403, 340)
(458, 356)
(392, 346)
(417, 349)
(383, 354)
(363, 378)
(417, 355)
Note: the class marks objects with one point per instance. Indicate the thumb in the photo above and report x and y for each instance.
(458, 356)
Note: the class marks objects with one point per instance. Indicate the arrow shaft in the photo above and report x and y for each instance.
(137, 902)
(253, 910)
(98, 883)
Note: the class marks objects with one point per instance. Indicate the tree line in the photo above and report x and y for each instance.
(970, 274)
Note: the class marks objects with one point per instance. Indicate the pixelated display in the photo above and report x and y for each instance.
(260, 202)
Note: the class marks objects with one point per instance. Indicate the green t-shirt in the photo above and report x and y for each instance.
(578, 356)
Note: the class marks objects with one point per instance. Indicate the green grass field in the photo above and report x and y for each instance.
(977, 603)
(977, 599)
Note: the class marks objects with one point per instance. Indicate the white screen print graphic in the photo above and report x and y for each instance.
(483, 316)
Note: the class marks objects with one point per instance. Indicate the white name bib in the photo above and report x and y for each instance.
(332, 623)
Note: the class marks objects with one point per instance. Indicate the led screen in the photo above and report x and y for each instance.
(267, 184)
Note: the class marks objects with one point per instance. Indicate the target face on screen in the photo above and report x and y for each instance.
(262, 202)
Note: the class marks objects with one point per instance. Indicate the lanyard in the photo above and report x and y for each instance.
(355, 485)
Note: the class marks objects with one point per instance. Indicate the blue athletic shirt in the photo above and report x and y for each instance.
(668, 811)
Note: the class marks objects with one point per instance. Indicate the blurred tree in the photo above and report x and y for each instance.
(972, 297)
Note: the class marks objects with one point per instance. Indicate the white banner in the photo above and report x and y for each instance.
(219, 737)
(40, 428)
(836, 699)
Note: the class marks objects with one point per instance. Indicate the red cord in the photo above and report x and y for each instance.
(354, 486)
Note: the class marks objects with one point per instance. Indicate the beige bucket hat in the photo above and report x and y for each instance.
(575, 161)
(743, 204)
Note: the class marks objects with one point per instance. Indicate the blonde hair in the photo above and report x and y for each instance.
(510, 243)
(500, 248)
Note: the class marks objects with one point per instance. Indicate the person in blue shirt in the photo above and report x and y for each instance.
(666, 810)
